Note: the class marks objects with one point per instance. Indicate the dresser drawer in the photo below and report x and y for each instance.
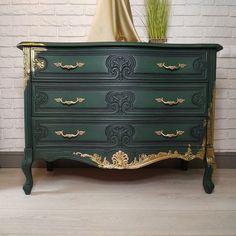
(173, 64)
(61, 64)
(81, 99)
(116, 133)
(126, 65)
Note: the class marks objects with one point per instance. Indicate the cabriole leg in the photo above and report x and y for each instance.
(209, 163)
(26, 167)
(50, 166)
(184, 164)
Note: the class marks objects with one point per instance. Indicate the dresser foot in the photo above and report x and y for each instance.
(26, 167)
(207, 179)
(50, 166)
(184, 164)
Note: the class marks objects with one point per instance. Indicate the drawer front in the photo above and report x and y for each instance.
(131, 133)
(80, 99)
(61, 63)
(173, 64)
(126, 65)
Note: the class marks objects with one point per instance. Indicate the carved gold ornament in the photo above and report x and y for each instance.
(69, 102)
(69, 67)
(170, 103)
(171, 67)
(70, 136)
(26, 51)
(210, 156)
(120, 159)
(39, 64)
(171, 135)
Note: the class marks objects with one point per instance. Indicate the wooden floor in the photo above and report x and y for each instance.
(143, 202)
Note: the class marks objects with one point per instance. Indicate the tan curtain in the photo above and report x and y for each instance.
(113, 22)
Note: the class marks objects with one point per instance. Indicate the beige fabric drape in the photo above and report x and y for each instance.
(113, 22)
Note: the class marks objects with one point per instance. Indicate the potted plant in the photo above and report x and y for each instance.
(157, 20)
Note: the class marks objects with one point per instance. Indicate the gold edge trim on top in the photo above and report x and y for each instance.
(120, 160)
(30, 44)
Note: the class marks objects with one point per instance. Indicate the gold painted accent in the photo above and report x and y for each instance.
(39, 64)
(120, 159)
(69, 102)
(178, 133)
(78, 133)
(210, 155)
(26, 52)
(69, 67)
(170, 103)
(172, 68)
(30, 44)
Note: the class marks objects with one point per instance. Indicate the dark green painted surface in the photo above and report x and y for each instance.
(64, 45)
(123, 65)
(100, 97)
(120, 82)
(117, 133)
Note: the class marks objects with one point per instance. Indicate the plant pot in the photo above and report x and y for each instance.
(164, 40)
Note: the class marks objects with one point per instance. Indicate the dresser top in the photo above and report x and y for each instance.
(118, 44)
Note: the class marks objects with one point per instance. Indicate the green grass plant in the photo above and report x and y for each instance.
(157, 18)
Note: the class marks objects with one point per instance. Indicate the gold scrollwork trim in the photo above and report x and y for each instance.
(69, 67)
(170, 103)
(171, 135)
(69, 136)
(171, 67)
(120, 160)
(69, 102)
(26, 52)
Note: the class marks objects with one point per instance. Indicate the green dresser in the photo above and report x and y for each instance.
(119, 105)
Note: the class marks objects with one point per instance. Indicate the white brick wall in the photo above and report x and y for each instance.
(192, 21)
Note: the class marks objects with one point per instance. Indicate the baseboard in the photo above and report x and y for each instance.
(226, 160)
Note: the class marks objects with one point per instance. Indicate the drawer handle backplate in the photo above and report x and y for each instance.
(69, 102)
(172, 68)
(78, 133)
(178, 133)
(69, 67)
(170, 103)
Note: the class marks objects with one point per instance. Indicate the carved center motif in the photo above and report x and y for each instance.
(120, 101)
(120, 66)
(40, 131)
(198, 131)
(120, 135)
(40, 99)
(199, 65)
(198, 99)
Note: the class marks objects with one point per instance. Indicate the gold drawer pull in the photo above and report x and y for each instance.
(78, 133)
(68, 102)
(69, 67)
(172, 68)
(170, 103)
(178, 133)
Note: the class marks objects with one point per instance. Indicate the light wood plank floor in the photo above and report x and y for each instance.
(143, 202)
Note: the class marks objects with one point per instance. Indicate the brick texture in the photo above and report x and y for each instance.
(191, 21)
